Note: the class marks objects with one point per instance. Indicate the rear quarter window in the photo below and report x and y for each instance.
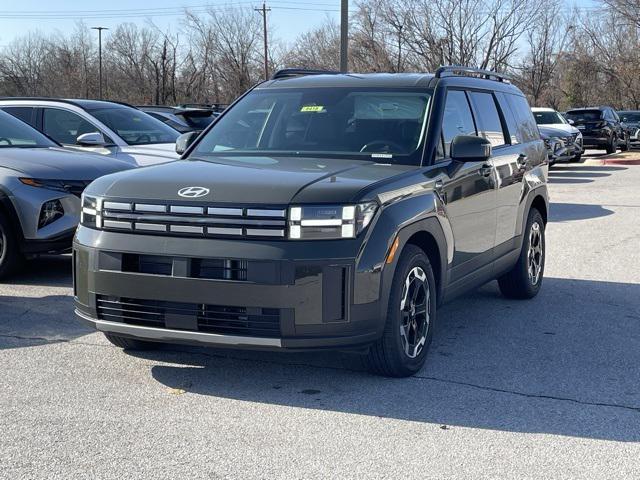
(527, 127)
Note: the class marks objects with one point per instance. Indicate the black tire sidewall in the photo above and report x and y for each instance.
(411, 257)
(534, 216)
(9, 254)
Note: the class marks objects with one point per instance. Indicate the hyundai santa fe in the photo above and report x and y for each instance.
(322, 211)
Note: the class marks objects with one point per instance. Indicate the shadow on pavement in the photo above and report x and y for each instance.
(563, 363)
(587, 168)
(49, 270)
(577, 174)
(569, 180)
(562, 212)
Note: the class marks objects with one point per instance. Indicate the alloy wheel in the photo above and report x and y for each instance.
(414, 308)
(535, 253)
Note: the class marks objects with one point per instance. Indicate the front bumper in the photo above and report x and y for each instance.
(242, 294)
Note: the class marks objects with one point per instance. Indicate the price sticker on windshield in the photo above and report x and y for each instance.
(312, 108)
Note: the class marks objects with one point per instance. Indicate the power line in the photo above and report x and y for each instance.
(263, 11)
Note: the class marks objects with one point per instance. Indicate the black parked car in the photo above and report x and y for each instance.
(631, 119)
(322, 210)
(183, 119)
(600, 127)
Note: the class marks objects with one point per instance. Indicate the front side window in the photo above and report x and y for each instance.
(65, 126)
(134, 126)
(336, 122)
(457, 119)
(489, 123)
(17, 134)
(548, 118)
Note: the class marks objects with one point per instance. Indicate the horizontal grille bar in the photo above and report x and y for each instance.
(256, 322)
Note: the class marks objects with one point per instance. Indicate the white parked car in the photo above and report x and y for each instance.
(108, 128)
(569, 137)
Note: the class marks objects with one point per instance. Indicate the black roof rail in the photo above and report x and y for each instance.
(299, 72)
(486, 74)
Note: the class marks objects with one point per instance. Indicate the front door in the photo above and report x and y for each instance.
(469, 192)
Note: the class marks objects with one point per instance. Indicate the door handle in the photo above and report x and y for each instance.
(521, 161)
(485, 169)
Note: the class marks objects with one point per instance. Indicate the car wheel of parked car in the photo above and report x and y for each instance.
(402, 349)
(612, 145)
(525, 278)
(130, 343)
(625, 147)
(10, 256)
(578, 158)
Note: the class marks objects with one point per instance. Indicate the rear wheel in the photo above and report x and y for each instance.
(10, 256)
(402, 349)
(130, 343)
(612, 145)
(525, 278)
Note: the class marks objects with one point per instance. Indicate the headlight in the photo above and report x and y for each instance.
(90, 213)
(324, 222)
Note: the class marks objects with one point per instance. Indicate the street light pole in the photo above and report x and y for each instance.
(344, 35)
(99, 29)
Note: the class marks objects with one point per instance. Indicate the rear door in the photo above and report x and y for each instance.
(469, 190)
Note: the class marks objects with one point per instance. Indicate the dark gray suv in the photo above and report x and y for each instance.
(322, 210)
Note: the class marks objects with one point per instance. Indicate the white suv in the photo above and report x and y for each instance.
(108, 128)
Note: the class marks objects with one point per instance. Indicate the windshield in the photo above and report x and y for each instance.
(584, 115)
(337, 122)
(548, 118)
(633, 117)
(134, 126)
(15, 133)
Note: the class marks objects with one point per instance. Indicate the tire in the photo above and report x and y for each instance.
(612, 146)
(398, 354)
(626, 146)
(520, 282)
(10, 256)
(578, 158)
(127, 343)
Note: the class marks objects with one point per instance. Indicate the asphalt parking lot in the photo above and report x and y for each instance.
(548, 388)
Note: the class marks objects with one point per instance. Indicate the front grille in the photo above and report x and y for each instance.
(194, 220)
(228, 320)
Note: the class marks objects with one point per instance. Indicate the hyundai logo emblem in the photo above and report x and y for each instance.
(193, 192)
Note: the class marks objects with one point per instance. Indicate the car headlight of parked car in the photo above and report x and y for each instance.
(90, 213)
(50, 212)
(324, 222)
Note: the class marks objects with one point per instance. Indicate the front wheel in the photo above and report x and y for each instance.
(402, 349)
(626, 146)
(10, 256)
(612, 145)
(525, 278)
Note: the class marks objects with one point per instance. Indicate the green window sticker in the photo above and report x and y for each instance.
(312, 108)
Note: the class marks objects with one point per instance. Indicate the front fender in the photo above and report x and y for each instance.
(402, 219)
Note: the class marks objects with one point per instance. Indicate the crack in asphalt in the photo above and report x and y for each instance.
(320, 367)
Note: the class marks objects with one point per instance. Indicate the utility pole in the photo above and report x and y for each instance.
(399, 47)
(99, 29)
(263, 11)
(344, 35)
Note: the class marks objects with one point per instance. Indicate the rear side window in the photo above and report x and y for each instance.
(26, 114)
(509, 118)
(527, 127)
(487, 117)
(457, 119)
(64, 126)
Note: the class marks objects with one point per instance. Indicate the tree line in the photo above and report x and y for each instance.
(558, 57)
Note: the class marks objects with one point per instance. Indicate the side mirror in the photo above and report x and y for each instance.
(93, 139)
(469, 148)
(571, 122)
(184, 141)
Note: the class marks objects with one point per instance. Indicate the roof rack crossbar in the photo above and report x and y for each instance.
(456, 70)
(299, 72)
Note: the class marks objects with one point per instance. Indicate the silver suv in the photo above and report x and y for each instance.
(40, 188)
(108, 128)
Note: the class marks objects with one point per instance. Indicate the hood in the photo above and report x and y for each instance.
(250, 180)
(548, 132)
(59, 163)
(150, 154)
(562, 128)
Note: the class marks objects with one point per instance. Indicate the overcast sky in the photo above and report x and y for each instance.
(287, 18)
